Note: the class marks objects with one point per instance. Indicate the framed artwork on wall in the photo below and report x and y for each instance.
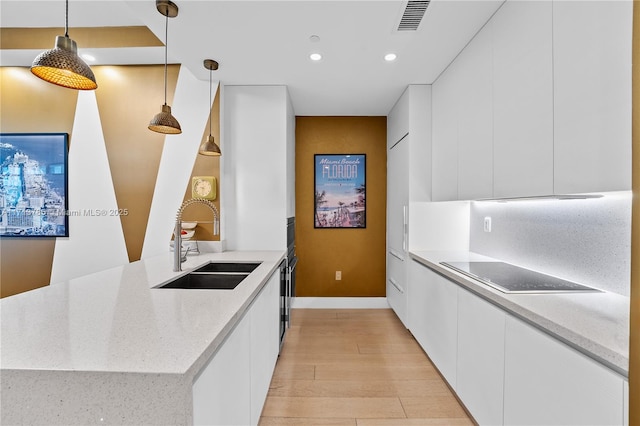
(340, 191)
(34, 185)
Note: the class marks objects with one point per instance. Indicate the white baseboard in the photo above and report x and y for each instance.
(340, 303)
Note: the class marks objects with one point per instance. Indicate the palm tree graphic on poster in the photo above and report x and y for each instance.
(340, 191)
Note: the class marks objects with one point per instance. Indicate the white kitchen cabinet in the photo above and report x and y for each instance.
(409, 148)
(433, 318)
(398, 195)
(522, 99)
(398, 120)
(397, 205)
(592, 95)
(444, 164)
(397, 294)
(258, 132)
(480, 357)
(625, 411)
(221, 394)
(232, 388)
(548, 383)
(265, 343)
(475, 117)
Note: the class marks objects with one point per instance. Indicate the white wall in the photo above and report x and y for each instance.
(96, 241)
(587, 241)
(439, 226)
(254, 167)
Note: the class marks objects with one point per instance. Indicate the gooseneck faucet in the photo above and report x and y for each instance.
(177, 241)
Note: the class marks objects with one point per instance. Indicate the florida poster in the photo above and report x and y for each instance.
(340, 191)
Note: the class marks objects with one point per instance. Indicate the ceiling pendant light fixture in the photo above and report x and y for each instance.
(209, 147)
(62, 65)
(164, 122)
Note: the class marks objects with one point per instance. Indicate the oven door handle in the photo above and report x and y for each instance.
(292, 267)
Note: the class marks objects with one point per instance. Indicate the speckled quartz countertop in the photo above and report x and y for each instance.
(109, 348)
(596, 324)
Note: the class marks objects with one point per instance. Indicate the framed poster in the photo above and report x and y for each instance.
(34, 185)
(340, 191)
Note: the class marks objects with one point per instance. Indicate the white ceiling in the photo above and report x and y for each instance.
(268, 42)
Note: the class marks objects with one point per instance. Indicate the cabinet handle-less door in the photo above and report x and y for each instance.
(405, 228)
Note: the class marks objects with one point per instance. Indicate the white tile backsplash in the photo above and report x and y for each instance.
(587, 241)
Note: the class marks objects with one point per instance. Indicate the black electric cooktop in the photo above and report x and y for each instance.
(514, 279)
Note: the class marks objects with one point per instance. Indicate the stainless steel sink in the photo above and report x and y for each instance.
(214, 276)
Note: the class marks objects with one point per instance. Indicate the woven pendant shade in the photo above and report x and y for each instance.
(62, 66)
(164, 122)
(209, 147)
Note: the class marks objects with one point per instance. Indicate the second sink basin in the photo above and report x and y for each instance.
(208, 281)
(228, 267)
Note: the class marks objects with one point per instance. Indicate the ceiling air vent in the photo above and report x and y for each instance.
(412, 16)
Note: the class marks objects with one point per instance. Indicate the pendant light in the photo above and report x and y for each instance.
(164, 122)
(62, 65)
(209, 147)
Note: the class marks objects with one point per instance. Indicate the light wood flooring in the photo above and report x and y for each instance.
(356, 367)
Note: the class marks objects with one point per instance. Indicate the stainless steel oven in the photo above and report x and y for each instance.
(288, 280)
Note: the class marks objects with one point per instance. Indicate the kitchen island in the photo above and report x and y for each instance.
(110, 348)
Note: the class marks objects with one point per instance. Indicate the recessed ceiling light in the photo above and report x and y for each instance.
(88, 57)
(390, 57)
(315, 56)
(314, 38)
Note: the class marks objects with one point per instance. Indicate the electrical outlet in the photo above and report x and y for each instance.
(487, 224)
(338, 275)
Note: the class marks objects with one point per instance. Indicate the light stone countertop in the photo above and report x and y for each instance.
(109, 348)
(596, 324)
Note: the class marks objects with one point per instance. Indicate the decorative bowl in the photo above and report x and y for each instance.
(189, 225)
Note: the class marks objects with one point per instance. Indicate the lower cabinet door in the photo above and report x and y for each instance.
(480, 373)
(396, 287)
(221, 394)
(433, 309)
(549, 383)
(265, 334)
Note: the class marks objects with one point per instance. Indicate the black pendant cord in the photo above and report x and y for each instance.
(166, 42)
(210, 104)
(66, 19)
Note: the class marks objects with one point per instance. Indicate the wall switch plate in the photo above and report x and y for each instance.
(338, 275)
(487, 224)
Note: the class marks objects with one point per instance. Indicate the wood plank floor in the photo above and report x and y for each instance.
(356, 367)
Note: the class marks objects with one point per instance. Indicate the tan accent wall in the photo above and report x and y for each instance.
(358, 253)
(206, 166)
(93, 37)
(28, 104)
(128, 97)
(634, 347)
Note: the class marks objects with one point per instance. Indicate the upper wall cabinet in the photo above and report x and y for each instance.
(444, 166)
(475, 118)
(538, 103)
(522, 99)
(398, 120)
(592, 95)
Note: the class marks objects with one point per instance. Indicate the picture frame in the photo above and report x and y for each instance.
(34, 185)
(340, 191)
